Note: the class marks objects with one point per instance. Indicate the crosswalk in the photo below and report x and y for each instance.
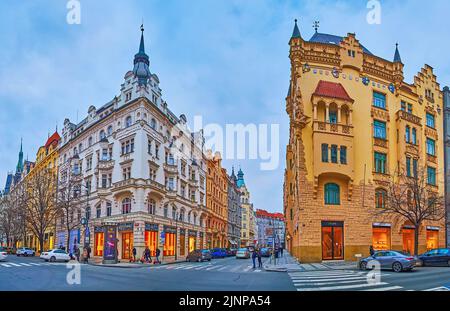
(233, 267)
(29, 264)
(339, 281)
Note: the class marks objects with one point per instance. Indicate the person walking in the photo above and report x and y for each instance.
(134, 254)
(254, 256)
(77, 254)
(158, 252)
(281, 252)
(147, 257)
(85, 255)
(371, 250)
(259, 258)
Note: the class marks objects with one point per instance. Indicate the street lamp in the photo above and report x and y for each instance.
(85, 219)
(176, 233)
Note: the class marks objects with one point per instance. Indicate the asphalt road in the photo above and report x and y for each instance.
(229, 274)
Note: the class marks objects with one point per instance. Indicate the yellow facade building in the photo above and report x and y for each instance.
(353, 122)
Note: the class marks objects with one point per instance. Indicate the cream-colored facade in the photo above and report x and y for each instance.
(349, 113)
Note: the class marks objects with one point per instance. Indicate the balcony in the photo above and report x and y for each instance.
(171, 168)
(106, 164)
(156, 185)
(333, 128)
(124, 183)
(379, 142)
(431, 158)
(409, 117)
(171, 193)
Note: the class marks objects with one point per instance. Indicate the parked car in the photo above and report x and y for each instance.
(393, 260)
(55, 255)
(3, 253)
(199, 255)
(265, 252)
(25, 251)
(218, 253)
(229, 252)
(233, 251)
(11, 250)
(243, 253)
(435, 257)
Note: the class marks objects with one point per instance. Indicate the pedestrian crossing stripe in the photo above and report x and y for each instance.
(340, 287)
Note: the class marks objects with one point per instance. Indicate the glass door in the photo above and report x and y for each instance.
(332, 241)
(127, 245)
(408, 240)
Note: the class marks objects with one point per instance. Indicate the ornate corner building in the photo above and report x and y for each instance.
(353, 121)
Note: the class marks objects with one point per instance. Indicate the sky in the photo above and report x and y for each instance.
(226, 60)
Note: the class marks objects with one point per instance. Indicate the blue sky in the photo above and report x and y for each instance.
(226, 60)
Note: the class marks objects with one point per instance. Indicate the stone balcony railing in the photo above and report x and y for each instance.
(431, 158)
(383, 143)
(333, 128)
(124, 183)
(171, 168)
(106, 164)
(156, 184)
(409, 117)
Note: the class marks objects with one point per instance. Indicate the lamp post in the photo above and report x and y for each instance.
(176, 233)
(85, 220)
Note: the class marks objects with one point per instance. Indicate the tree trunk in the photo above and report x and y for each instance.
(68, 242)
(416, 240)
(41, 243)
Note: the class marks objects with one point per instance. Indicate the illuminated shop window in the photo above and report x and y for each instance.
(381, 238)
(432, 239)
(169, 244)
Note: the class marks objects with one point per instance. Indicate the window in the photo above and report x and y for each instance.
(98, 211)
(88, 163)
(152, 174)
(149, 147)
(403, 106)
(407, 134)
(174, 212)
(414, 136)
(334, 153)
(126, 173)
(126, 206)
(153, 124)
(152, 207)
(332, 194)
(410, 108)
(415, 168)
(128, 146)
(343, 155)
(430, 120)
(90, 141)
(380, 198)
(157, 150)
(380, 163)
(431, 147)
(108, 209)
(110, 130)
(88, 213)
(171, 184)
(104, 180)
(431, 176)
(379, 100)
(128, 121)
(102, 134)
(166, 211)
(324, 152)
(408, 166)
(333, 117)
(379, 129)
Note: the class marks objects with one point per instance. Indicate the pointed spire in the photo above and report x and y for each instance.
(19, 167)
(142, 45)
(397, 58)
(296, 32)
(141, 62)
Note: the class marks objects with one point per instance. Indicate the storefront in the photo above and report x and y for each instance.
(432, 238)
(126, 234)
(74, 240)
(408, 239)
(170, 241)
(99, 241)
(192, 239)
(332, 240)
(182, 242)
(381, 236)
(151, 237)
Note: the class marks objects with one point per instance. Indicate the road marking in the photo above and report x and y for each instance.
(14, 264)
(304, 274)
(319, 266)
(441, 288)
(307, 267)
(202, 267)
(25, 264)
(6, 265)
(328, 283)
(382, 289)
(328, 280)
(257, 271)
(181, 267)
(190, 267)
(327, 277)
(213, 267)
(223, 268)
(236, 268)
(35, 264)
(248, 268)
(331, 288)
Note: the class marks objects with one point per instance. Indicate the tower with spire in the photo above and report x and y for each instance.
(240, 179)
(19, 167)
(142, 63)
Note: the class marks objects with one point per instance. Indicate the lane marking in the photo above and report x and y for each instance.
(14, 264)
(248, 268)
(331, 288)
(382, 289)
(328, 277)
(213, 267)
(331, 283)
(6, 265)
(223, 268)
(35, 264)
(25, 264)
(329, 280)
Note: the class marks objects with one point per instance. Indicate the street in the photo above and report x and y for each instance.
(228, 274)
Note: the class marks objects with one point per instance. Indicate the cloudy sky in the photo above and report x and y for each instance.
(226, 60)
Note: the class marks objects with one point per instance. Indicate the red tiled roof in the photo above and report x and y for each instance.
(264, 213)
(54, 138)
(333, 90)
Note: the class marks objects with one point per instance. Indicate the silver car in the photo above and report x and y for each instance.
(25, 251)
(392, 260)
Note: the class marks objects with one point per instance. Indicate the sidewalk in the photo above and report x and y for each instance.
(287, 263)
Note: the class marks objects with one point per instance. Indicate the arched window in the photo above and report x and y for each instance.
(90, 141)
(110, 130)
(102, 134)
(332, 195)
(126, 206)
(414, 136)
(153, 124)
(174, 212)
(166, 211)
(182, 215)
(98, 211)
(128, 121)
(75, 152)
(195, 219)
(407, 134)
(80, 147)
(380, 198)
(152, 207)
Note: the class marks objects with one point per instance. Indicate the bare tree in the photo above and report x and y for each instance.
(12, 223)
(40, 209)
(69, 203)
(413, 199)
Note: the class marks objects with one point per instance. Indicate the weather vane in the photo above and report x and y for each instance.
(316, 25)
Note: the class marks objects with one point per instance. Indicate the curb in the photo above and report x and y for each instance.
(135, 266)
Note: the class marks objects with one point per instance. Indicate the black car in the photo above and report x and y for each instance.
(436, 257)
